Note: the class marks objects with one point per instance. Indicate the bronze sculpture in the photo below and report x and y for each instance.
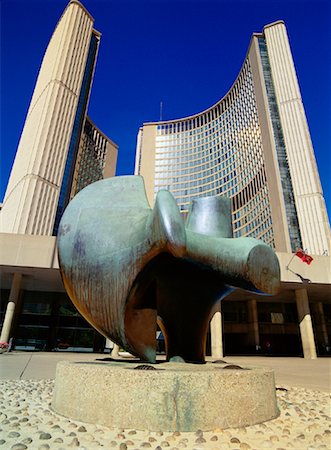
(126, 266)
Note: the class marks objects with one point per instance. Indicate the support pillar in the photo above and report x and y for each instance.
(115, 352)
(113, 348)
(216, 333)
(305, 323)
(109, 344)
(10, 311)
(254, 334)
(321, 319)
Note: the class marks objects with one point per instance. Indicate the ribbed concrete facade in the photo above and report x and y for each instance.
(60, 152)
(33, 189)
(253, 146)
(311, 211)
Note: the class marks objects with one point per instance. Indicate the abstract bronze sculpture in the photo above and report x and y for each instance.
(127, 267)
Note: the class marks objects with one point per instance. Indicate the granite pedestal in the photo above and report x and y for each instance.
(165, 396)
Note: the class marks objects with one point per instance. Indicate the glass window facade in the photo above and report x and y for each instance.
(219, 152)
(91, 159)
(285, 175)
(277, 313)
(235, 312)
(49, 320)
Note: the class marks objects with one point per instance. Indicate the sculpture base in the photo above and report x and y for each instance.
(174, 397)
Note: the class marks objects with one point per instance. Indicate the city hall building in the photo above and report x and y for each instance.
(254, 147)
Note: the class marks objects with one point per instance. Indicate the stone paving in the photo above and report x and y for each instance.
(28, 422)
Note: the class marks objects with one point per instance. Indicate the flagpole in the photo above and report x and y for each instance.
(304, 280)
(161, 110)
(288, 265)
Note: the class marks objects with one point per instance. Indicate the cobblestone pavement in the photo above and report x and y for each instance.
(28, 422)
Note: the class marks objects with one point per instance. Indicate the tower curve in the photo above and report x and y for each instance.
(52, 127)
(253, 146)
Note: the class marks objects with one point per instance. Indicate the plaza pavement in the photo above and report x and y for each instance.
(312, 374)
(27, 421)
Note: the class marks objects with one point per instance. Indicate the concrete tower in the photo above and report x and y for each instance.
(40, 182)
(310, 205)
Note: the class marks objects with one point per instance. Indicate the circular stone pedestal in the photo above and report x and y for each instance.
(174, 397)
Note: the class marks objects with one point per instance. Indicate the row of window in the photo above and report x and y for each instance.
(242, 88)
(219, 153)
(91, 158)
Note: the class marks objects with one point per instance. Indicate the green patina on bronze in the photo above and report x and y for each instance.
(127, 267)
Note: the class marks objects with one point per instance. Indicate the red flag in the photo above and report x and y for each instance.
(304, 256)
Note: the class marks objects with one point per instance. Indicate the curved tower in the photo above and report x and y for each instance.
(40, 181)
(252, 146)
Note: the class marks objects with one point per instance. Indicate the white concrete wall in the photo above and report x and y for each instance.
(319, 271)
(24, 251)
(311, 210)
(40, 251)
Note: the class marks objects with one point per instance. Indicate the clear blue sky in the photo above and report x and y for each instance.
(185, 53)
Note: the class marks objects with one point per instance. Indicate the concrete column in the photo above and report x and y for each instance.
(115, 352)
(254, 335)
(109, 344)
(321, 319)
(113, 348)
(10, 311)
(305, 323)
(216, 333)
